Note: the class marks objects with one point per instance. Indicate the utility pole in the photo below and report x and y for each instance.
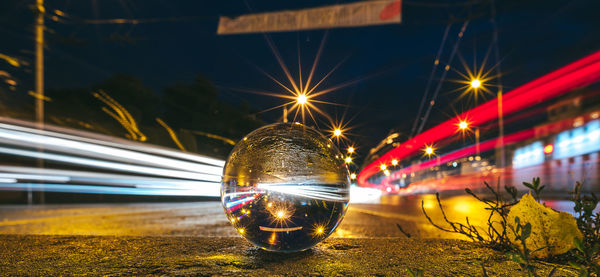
(502, 161)
(39, 63)
(477, 140)
(39, 81)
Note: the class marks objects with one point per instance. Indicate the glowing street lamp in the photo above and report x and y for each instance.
(353, 176)
(337, 132)
(382, 167)
(281, 214)
(429, 150)
(319, 230)
(463, 125)
(475, 83)
(350, 149)
(348, 159)
(302, 99)
(394, 162)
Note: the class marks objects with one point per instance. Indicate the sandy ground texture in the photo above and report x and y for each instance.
(51, 255)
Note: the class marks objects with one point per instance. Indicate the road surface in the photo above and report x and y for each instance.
(207, 219)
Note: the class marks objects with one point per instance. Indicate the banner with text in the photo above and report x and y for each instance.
(363, 13)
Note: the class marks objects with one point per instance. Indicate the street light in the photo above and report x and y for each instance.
(429, 150)
(350, 149)
(337, 132)
(382, 167)
(463, 125)
(394, 162)
(348, 159)
(475, 83)
(302, 99)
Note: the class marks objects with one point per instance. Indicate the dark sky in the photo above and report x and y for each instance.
(392, 62)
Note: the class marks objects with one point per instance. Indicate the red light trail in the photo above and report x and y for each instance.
(577, 74)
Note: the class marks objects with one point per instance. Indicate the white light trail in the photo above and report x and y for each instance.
(233, 203)
(149, 170)
(76, 135)
(112, 165)
(207, 191)
(320, 192)
(93, 178)
(97, 151)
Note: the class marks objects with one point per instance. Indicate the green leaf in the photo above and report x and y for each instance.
(579, 257)
(578, 244)
(515, 257)
(526, 231)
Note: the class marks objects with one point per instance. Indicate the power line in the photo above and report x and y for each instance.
(446, 69)
(433, 70)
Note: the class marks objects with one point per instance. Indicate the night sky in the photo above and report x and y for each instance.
(391, 63)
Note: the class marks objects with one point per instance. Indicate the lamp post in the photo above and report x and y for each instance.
(39, 82)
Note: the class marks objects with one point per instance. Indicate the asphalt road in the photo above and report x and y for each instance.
(207, 219)
(196, 239)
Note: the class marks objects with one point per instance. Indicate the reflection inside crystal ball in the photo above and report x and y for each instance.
(285, 187)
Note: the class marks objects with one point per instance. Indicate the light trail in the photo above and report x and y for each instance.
(98, 139)
(205, 191)
(320, 192)
(232, 204)
(111, 165)
(27, 139)
(577, 74)
(550, 129)
(86, 177)
(149, 170)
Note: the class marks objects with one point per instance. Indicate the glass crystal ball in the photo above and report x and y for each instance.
(285, 187)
